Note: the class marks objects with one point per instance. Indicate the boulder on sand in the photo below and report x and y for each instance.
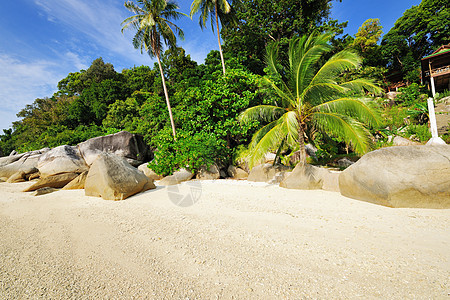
(113, 178)
(308, 177)
(177, 177)
(54, 181)
(62, 159)
(403, 176)
(267, 172)
(123, 144)
(210, 173)
(237, 173)
(149, 172)
(21, 162)
(77, 183)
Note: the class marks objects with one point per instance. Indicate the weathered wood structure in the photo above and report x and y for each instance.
(436, 70)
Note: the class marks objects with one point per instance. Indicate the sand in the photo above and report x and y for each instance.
(238, 241)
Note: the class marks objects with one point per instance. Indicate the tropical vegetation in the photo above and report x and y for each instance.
(310, 99)
(291, 74)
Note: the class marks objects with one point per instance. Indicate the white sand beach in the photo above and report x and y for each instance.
(240, 240)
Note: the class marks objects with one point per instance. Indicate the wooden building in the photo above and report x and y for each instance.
(436, 70)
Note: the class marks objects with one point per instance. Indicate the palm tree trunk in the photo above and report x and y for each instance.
(167, 98)
(218, 38)
(301, 141)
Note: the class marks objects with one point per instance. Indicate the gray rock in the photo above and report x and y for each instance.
(17, 177)
(266, 172)
(177, 177)
(210, 173)
(62, 159)
(442, 111)
(237, 173)
(305, 177)
(149, 172)
(77, 183)
(43, 191)
(407, 176)
(344, 162)
(14, 152)
(54, 181)
(113, 178)
(401, 141)
(25, 162)
(123, 144)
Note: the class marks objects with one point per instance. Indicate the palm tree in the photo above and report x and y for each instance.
(311, 98)
(221, 9)
(152, 24)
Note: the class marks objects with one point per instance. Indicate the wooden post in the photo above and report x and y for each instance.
(435, 139)
(433, 90)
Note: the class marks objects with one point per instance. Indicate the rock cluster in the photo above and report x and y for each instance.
(101, 166)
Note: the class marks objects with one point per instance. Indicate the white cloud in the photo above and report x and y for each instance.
(74, 59)
(99, 21)
(22, 82)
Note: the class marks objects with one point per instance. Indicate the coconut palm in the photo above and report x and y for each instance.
(311, 98)
(220, 9)
(153, 26)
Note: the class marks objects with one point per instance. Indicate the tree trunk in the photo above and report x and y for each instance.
(218, 38)
(301, 141)
(167, 98)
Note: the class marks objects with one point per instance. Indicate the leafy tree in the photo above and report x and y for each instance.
(153, 26)
(75, 83)
(420, 31)
(368, 34)
(260, 22)
(310, 98)
(221, 9)
(175, 62)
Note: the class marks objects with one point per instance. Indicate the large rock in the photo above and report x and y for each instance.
(267, 173)
(25, 162)
(237, 173)
(442, 110)
(177, 177)
(62, 159)
(54, 181)
(149, 172)
(22, 176)
(308, 177)
(407, 176)
(210, 173)
(113, 178)
(401, 141)
(78, 183)
(123, 144)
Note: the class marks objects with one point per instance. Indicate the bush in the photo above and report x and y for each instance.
(189, 151)
(410, 95)
(420, 132)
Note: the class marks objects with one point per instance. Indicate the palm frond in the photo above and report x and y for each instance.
(344, 127)
(362, 84)
(266, 113)
(270, 141)
(358, 108)
(342, 61)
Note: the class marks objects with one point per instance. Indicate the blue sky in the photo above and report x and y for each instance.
(41, 41)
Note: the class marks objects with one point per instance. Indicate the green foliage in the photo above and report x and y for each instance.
(368, 34)
(420, 132)
(420, 31)
(410, 95)
(309, 97)
(189, 151)
(260, 22)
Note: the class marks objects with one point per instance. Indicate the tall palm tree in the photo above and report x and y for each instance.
(311, 98)
(153, 26)
(220, 9)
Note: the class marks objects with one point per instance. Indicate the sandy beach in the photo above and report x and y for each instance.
(240, 240)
